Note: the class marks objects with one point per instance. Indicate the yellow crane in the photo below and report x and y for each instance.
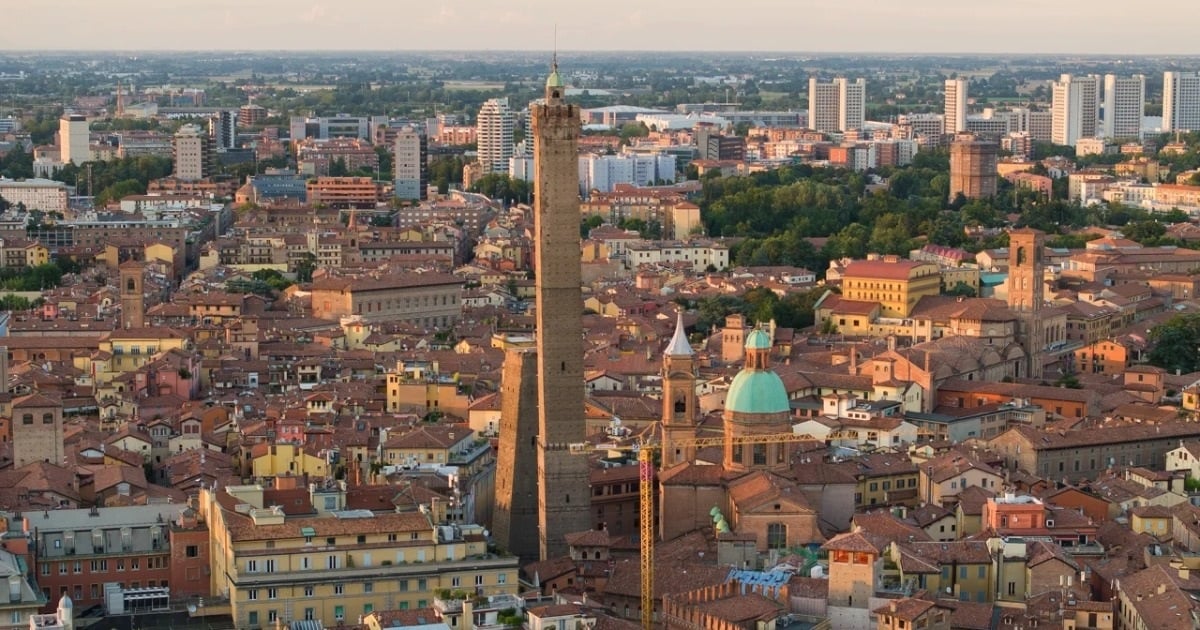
(645, 456)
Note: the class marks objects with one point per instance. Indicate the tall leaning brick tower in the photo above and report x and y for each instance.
(563, 494)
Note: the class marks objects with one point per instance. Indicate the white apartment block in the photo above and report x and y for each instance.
(924, 127)
(823, 105)
(699, 254)
(836, 106)
(1075, 109)
(603, 172)
(1124, 105)
(520, 167)
(852, 110)
(1181, 101)
(494, 135)
(36, 194)
(73, 139)
(411, 171)
(956, 106)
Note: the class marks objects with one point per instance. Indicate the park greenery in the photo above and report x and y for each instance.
(39, 278)
(1177, 344)
(264, 282)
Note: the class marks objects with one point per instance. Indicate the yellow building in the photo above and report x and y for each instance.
(335, 564)
(432, 444)
(278, 460)
(127, 350)
(893, 283)
(961, 570)
(1155, 520)
(421, 387)
(886, 479)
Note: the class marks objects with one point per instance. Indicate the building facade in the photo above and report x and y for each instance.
(955, 118)
(1181, 101)
(333, 564)
(222, 129)
(494, 135)
(1074, 108)
(424, 299)
(836, 106)
(74, 139)
(342, 192)
(973, 167)
(78, 551)
(1124, 105)
(412, 168)
(193, 154)
(37, 430)
(45, 195)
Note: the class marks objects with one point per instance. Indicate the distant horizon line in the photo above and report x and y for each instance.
(586, 51)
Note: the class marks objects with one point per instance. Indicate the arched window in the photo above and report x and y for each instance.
(47, 418)
(680, 406)
(130, 285)
(776, 536)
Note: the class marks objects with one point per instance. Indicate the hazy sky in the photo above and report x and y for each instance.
(1053, 26)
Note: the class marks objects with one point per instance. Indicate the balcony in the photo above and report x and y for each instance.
(479, 562)
(895, 586)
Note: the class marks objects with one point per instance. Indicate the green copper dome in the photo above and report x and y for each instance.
(757, 391)
(758, 340)
(554, 80)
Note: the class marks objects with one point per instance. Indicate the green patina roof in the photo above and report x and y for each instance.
(757, 391)
(554, 80)
(758, 340)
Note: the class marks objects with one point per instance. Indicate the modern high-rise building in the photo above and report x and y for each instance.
(563, 489)
(494, 135)
(1124, 104)
(972, 167)
(852, 110)
(251, 115)
(222, 128)
(1181, 101)
(412, 164)
(956, 106)
(837, 106)
(193, 154)
(74, 139)
(822, 105)
(1075, 108)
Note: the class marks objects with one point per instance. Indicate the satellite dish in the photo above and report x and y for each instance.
(191, 609)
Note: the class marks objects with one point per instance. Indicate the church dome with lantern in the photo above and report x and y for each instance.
(757, 389)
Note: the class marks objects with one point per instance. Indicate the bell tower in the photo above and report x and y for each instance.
(1026, 295)
(679, 398)
(133, 301)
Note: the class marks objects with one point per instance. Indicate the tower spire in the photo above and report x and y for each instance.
(679, 346)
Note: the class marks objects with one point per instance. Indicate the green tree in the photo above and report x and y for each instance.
(633, 130)
(587, 225)
(503, 188)
(960, 288)
(1177, 344)
(1143, 231)
(305, 267)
